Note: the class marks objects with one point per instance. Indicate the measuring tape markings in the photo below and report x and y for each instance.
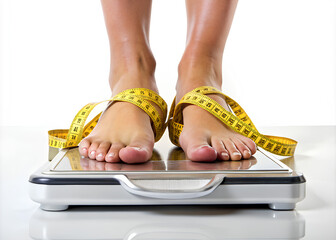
(240, 122)
(65, 138)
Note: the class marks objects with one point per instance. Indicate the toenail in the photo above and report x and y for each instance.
(247, 152)
(236, 153)
(204, 146)
(92, 153)
(111, 155)
(100, 155)
(84, 149)
(137, 148)
(224, 154)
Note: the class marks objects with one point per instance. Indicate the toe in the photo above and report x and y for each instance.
(112, 155)
(243, 149)
(218, 145)
(84, 147)
(200, 151)
(233, 151)
(138, 151)
(249, 143)
(93, 150)
(196, 146)
(102, 150)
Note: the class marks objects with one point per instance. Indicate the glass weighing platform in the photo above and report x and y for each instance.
(167, 179)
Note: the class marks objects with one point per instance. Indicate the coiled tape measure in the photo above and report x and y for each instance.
(238, 121)
(66, 138)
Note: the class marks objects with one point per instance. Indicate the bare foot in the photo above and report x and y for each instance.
(204, 137)
(124, 131)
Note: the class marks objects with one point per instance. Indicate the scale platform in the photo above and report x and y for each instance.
(167, 179)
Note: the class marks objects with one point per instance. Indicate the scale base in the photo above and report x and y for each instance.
(60, 197)
(273, 206)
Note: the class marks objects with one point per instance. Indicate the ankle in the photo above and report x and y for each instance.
(133, 67)
(201, 57)
(132, 59)
(196, 70)
(132, 79)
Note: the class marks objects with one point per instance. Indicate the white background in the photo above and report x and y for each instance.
(279, 62)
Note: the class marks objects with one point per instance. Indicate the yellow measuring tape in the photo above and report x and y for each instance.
(65, 138)
(238, 121)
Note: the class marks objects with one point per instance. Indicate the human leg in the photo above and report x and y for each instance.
(124, 131)
(205, 138)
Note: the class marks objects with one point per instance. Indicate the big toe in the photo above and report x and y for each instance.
(137, 152)
(202, 153)
(196, 147)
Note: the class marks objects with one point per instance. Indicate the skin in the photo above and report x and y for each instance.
(124, 132)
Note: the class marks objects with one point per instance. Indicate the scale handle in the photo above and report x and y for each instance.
(171, 188)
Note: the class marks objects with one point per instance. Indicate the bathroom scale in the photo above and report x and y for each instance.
(168, 178)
